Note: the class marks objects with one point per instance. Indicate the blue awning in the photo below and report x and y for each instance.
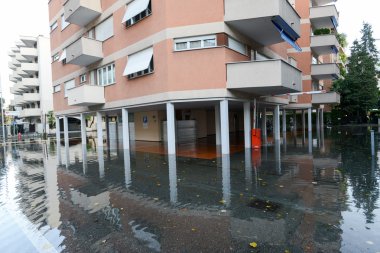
(287, 33)
(335, 22)
(334, 49)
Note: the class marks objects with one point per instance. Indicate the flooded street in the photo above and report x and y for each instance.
(301, 196)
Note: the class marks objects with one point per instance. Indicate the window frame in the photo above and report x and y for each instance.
(67, 89)
(139, 17)
(64, 23)
(82, 78)
(53, 26)
(56, 88)
(55, 57)
(102, 75)
(189, 40)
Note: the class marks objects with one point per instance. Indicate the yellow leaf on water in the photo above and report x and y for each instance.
(287, 251)
(193, 229)
(222, 201)
(253, 244)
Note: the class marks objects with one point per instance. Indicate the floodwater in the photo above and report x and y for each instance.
(301, 196)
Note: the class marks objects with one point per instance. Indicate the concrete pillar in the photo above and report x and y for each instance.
(58, 131)
(317, 119)
(101, 161)
(224, 126)
(247, 125)
(309, 123)
(83, 129)
(276, 123)
(264, 122)
(66, 130)
(99, 128)
(284, 122)
(173, 179)
(226, 179)
(127, 168)
(217, 125)
(322, 120)
(170, 115)
(108, 133)
(125, 120)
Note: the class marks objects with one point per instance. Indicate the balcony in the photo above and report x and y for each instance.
(324, 44)
(257, 20)
(84, 52)
(31, 97)
(322, 2)
(29, 68)
(31, 112)
(326, 98)
(16, 62)
(324, 17)
(269, 77)
(86, 95)
(28, 41)
(82, 12)
(30, 83)
(29, 53)
(19, 100)
(325, 71)
(11, 66)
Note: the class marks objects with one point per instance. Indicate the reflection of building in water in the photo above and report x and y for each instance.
(299, 213)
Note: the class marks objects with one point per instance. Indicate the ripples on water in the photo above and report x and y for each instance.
(283, 198)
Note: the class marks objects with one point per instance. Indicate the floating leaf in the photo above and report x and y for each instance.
(253, 244)
(281, 186)
(193, 229)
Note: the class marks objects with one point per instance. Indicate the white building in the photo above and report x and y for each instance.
(31, 65)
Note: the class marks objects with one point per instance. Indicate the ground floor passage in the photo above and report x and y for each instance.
(202, 129)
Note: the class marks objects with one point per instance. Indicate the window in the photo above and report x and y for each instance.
(106, 75)
(237, 46)
(64, 24)
(55, 57)
(139, 64)
(136, 11)
(57, 88)
(62, 58)
(195, 42)
(91, 33)
(69, 85)
(104, 30)
(53, 26)
(83, 78)
(261, 57)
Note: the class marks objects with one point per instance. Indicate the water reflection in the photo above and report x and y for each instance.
(292, 197)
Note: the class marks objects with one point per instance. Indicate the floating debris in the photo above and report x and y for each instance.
(253, 244)
(264, 205)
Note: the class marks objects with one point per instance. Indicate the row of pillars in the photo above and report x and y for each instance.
(221, 125)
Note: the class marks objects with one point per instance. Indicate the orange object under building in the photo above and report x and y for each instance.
(256, 138)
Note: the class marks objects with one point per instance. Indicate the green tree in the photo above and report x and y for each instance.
(51, 119)
(359, 92)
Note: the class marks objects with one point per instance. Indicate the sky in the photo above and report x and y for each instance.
(30, 17)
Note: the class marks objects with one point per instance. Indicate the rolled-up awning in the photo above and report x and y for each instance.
(134, 8)
(286, 31)
(63, 55)
(138, 61)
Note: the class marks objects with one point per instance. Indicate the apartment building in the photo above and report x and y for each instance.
(32, 83)
(177, 71)
(319, 59)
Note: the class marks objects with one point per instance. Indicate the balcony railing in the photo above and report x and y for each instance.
(86, 95)
(84, 52)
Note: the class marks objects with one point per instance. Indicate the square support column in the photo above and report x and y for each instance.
(247, 124)
(264, 123)
(170, 115)
(276, 116)
(284, 122)
(322, 120)
(309, 123)
(99, 126)
(57, 130)
(224, 125)
(125, 119)
(217, 125)
(66, 130)
(83, 129)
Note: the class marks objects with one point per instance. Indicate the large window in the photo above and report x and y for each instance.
(106, 75)
(69, 85)
(237, 46)
(195, 42)
(53, 26)
(64, 24)
(136, 11)
(57, 88)
(104, 30)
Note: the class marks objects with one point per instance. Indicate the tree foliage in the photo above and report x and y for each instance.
(359, 92)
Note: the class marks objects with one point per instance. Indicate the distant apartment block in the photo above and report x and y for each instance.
(32, 84)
